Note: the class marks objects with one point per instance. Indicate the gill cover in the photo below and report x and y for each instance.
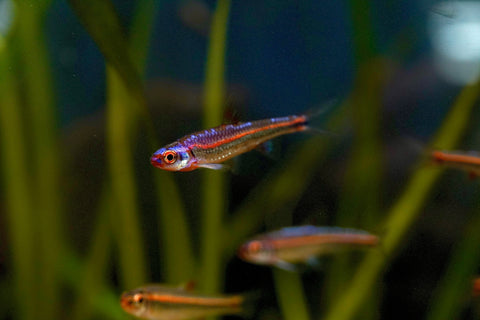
(174, 157)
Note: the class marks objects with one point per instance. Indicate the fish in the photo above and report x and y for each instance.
(210, 148)
(476, 287)
(158, 301)
(466, 161)
(287, 247)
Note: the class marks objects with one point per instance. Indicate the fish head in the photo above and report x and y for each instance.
(173, 157)
(134, 302)
(257, 251)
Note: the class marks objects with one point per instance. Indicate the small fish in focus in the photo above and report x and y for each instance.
(289, 246)
(157, 301)
(466, 161)
(209, 148)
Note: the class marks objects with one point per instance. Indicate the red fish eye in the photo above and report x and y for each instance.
(170, 156)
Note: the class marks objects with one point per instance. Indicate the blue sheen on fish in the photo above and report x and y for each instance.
(292, 245)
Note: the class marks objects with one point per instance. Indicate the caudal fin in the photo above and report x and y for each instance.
(315, 118)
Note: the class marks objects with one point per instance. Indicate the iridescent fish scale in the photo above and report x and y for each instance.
(227, 141)
(209, 148)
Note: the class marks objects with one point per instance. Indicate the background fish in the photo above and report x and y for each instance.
(285, 247)
(157, 301)
(467, 161)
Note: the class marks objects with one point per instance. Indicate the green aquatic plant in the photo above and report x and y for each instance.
(51, 279)
(214, 182)
(19, 200)
(359, 204)
(454, 291)
(404, 212)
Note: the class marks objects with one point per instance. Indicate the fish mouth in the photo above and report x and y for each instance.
(156, 161)
(126, 302)
(242, 252)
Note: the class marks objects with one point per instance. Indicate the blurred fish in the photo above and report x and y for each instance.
(476, 287)
(196, 15)
(467, 161)
(209, 148)
(288, 246)
(157, 301)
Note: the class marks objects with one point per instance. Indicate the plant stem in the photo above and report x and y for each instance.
(214, 183)
(45, 156)
(125, 218)
(94, 269)
(457, 282)
(17, 190)
(404, 212)
(289, 289)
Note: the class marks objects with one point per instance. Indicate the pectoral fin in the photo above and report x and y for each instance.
(213, 166)
(287, 266)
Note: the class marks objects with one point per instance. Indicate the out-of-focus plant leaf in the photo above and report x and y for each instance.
(289, 290)
(45, 158)
(104, 301)
(141, 31)
(19, 203)
(126, 217)
(102, 23)
(363, 35)
(456, 286)
(404, 211)
(359, 202)
(93, 272)
(214, 184)
(178, 260)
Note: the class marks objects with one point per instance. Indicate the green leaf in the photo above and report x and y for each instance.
(404, 211)
(102, 23)
(214, 182)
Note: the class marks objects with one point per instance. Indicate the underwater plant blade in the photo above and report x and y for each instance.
(45, 158)
(141, 32)
(456, 285)
(214, 183)
(359, 203)
(19, 206)
(102, 23)
(404, 211)
(178, 260)
(126, 217)
(94, 268)
(363, 31)
(289, 290)
(104, 301)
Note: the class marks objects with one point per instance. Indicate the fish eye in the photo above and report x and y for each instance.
(137, 299)
(169, 156)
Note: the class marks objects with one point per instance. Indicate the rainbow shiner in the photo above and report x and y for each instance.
(209, 148)
(467, 161)
(288, 246)
(157, 301)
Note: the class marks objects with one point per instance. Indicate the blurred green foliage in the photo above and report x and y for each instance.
(43, 265)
